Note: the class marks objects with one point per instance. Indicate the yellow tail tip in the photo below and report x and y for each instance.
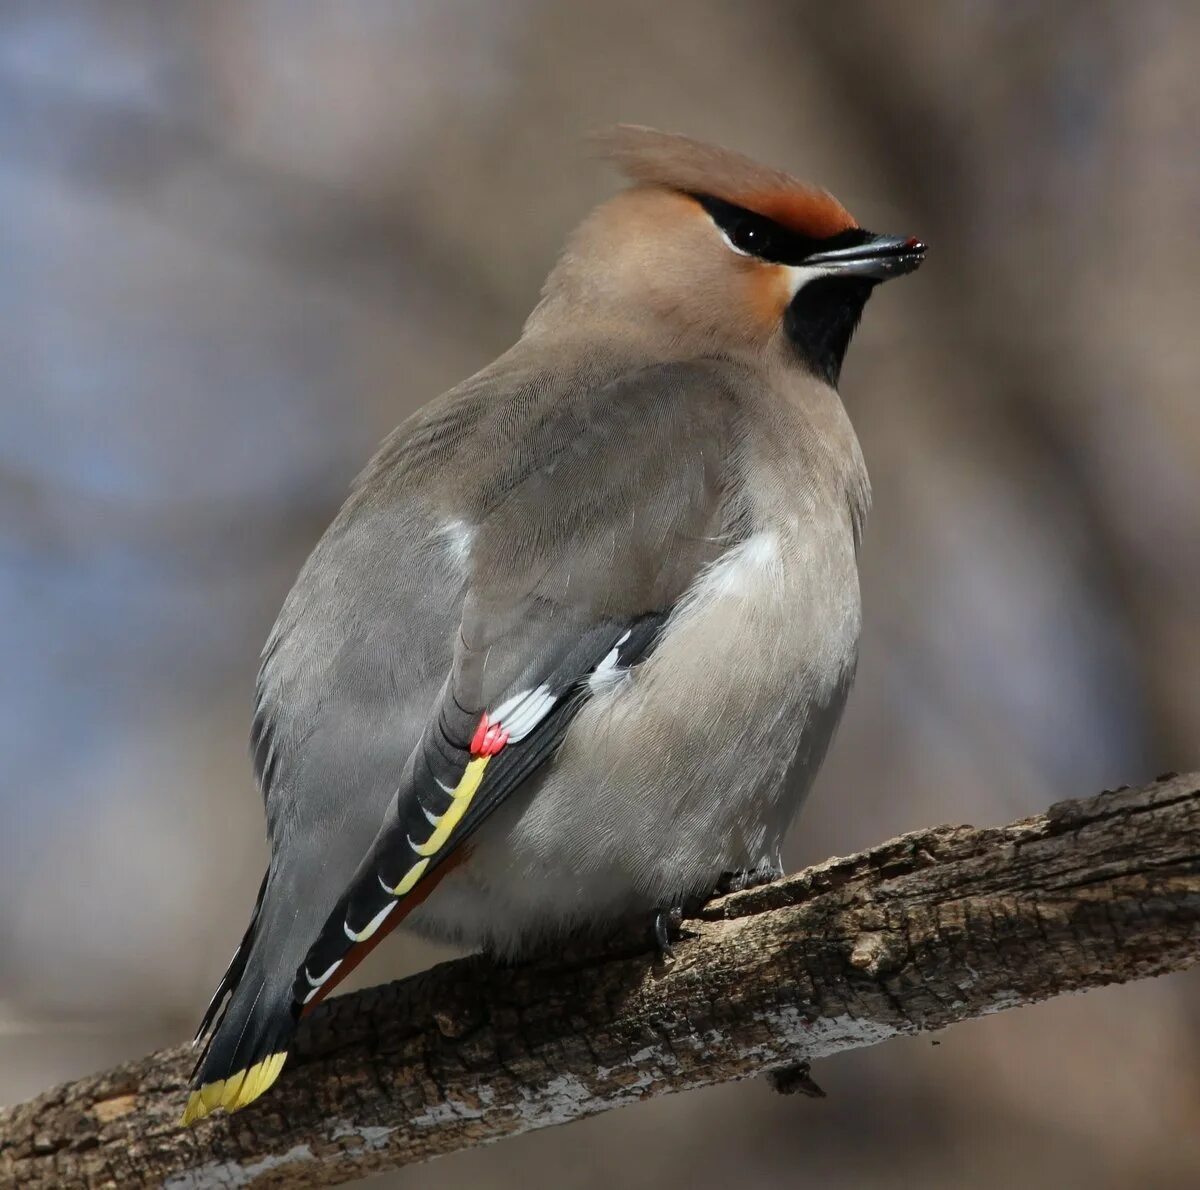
(240, 1088)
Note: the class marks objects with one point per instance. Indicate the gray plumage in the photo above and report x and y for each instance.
(624, 464)
(659, 489)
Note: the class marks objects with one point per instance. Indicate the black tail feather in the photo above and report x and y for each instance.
(246, 1028)
(233, 973)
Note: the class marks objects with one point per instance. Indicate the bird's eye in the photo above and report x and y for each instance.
(752, 236)
(748, 232)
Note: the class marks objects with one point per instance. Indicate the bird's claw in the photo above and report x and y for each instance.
(666, 929)
(731, 882)
(795, 1080)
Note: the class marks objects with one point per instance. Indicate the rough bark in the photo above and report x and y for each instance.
(923, 931)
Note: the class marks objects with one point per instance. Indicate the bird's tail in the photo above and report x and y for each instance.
(245, 1030)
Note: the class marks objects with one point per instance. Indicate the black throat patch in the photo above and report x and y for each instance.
(821, 319)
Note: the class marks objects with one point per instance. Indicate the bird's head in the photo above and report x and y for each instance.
(708, 246)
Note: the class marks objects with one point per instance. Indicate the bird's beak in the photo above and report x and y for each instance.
(878, 257)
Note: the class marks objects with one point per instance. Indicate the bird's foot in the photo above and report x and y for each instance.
(666, 929)
(731, 882)
(795, 1080)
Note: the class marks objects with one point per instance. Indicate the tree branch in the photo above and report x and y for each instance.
(923, 931)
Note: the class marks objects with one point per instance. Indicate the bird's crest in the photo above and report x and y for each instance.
(654, 158)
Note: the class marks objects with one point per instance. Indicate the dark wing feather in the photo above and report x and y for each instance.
(464, 768)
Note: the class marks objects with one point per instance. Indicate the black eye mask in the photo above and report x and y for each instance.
(758, 236)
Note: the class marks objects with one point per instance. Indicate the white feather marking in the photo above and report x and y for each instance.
(444, 787)
(738, 571)
(416, 847)
(799, 276)
(376, 921)
(310, 995)
(432, 819)
(530, 715)
(371, 926)
(606, 673)
(730, 244)
(316, 983)
(516, 723)
(527, 714)
(458, 536)
(504, 712)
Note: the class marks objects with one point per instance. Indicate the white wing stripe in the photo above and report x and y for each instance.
(508, 707)
(316, 983)
(530, 715)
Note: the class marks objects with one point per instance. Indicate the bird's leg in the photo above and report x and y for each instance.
(665, 927)
(795, 1080)
(731, 882)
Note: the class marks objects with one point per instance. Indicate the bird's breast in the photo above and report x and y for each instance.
(697, 759)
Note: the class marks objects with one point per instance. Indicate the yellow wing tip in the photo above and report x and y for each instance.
(232, 1093)
(194, 1111)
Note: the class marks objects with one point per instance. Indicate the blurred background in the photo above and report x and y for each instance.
(239, 241)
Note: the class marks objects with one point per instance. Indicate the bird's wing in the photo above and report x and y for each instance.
(586, 535)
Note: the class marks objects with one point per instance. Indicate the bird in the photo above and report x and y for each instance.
(574, 648)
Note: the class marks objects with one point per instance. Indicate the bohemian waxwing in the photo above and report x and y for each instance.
(575, 646)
